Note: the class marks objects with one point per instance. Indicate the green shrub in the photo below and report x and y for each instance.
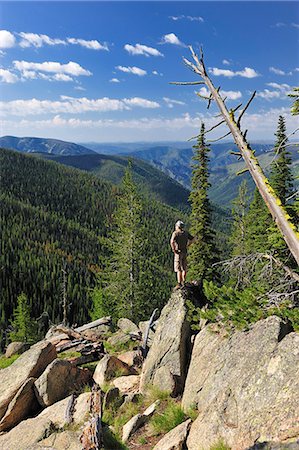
(238, 309)
(24, 327)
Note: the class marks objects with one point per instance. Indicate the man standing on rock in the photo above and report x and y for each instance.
(179, 242)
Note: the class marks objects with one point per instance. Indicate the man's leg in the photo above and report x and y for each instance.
(179, 277)
(184, 273)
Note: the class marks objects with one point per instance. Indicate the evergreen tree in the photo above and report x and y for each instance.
(121, 294)
(203, 252)
(257, 222)
(239, 228)
(24, 328)
(281, 176)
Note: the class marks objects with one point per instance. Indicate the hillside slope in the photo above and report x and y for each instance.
(43, 145)
(151, 181)
(55, 217)
(176, 162)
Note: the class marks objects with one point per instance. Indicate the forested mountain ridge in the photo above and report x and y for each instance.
(56, 217)
(175, 162)
(151, 181)
(43, 145)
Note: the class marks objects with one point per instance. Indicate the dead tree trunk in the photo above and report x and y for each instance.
(279, 214)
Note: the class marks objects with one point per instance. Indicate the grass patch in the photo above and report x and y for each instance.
(91, 365)
(119, 348)
(169, 418)
(67, 355)
(111, 441)
(5, 362)
(220, 445)
(118, 417)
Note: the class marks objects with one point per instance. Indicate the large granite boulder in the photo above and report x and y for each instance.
(171, 343)
(176, 438)
(110, 367)
(16, 348)
(29, 432)
(127, 326)
(58, 381)
(127, 384)
(30, 364)
(244, 387)
(21, 406)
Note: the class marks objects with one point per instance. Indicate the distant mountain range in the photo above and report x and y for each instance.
(174, 159)
(43, 145)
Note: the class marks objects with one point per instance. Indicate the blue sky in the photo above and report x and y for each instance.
(101, 71)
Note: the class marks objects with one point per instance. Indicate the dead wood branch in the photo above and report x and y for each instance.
(279, 214)
(92, 434)
(245, 108)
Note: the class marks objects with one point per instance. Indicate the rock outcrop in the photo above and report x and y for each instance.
(16, 348)
(30, 364)
(138, 421)
(31, 431)
(21, 406)
(176, 438)
(171, 343)
(110, 367)
(245, 387)
(59, 380)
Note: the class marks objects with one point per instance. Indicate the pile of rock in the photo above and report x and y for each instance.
(37, 390)
(244, 387)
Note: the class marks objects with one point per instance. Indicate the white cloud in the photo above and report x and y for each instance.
(277, 71)
(295, 25)
(191, 18)
(73, 105)
(140, 49)
(261, 125)
(170, 102)
(230, 95)
(114, 80)
(38, 40)
(268, 95)
(7, 77)
(62, 77)
(141, 102)
(71, 68)
(281, 91)
(226, 62)
(134, 70)
(247, 72)
(93, 44)
(79, 88)
(7, 39)
(171, 38)
(281, 87)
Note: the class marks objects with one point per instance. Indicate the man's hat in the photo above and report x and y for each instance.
(180, 224)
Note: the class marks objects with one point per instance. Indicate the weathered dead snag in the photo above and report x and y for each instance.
(279, 214)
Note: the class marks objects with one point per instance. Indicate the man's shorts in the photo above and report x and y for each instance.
(180, 262)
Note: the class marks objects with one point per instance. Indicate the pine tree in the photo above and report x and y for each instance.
(24, 329)
(239, 228)
(120, 296)
(203, 252)
(281, 178)
(257, 222)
